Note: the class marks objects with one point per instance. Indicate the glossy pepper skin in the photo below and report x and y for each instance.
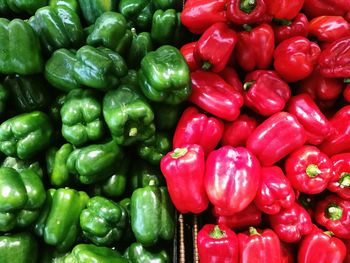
(232, 178)
(314, 8)
(214, 95)
(213, 49)
(164, 76)
(142, 174)
(230, 75)
(297, 27)
(340, 182)
(183, 165)
(275, 192)
(217, 243)
(270, 141)
(92, 9)
(187, 52)
(266, 93)
(195, 127)
(242, 12)
(136, 253)
(21, 7)
(290, 224)
(141, 44)
(72, 4)
(284, 9)
(20, 165)
(138, 12)
(329, 28)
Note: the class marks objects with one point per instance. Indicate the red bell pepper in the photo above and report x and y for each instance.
(275, 191)
(334, 61)
(295, 58)
(309, 170)
(329, 28)
(212, 94)
(347, 16)
(346, 93)
(214, 47)
(284, 9)
(199, 15)
(347, 244)
(289, 29)
(333, 213)
(266, 93)
(242, 12)
(339, 139)
(257, 245)
(287, 253)
(314, 8)
(292, 223)
(231, 77)
(276, 137)
(187, 52)
(217, 244)
(232, 178)
(250, 44)
(179, 167)
(237, 132)
(340, 182)
(316, 125)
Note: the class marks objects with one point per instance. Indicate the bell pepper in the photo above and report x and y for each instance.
(329, 28)
(164, 76)
(214, 95)
(21, 247)
(284, 9)
(128, 115)
(299, 26)
(321, 247)
(340, 182)
(71, 4)
(346, 93)
(211, 12)
(152, 215)
(131, 78)
(314, 8)
(187, 52)
(166, 117)
(265, 92)
(20, 7)
(136, 253)
(230, 75)
(217, 243)
(206, 52)
(237, 132)
(316, 125)
(333, 213)
(290, 224)
(92, 9)
(139, 13)
(183, 165)
(21, 165)
(334, 60)
(20, 51)
(128, 235)
(275, 192)
(195, 128)
(296, 58)
(232, 178)
(271, 142)
(140, 45)
(242, 12)
(249, 45)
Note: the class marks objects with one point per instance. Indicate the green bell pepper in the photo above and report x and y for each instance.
(138, 12)
(25, 135)
(128, 235)
(141, 44)
(20, 248)
(131, 79)
(92, 9)
(22, 195)
(72, 4)
(24, 6)
(4, 95)
(20, 50)
(143, 173)
(168, 4)
(20, 165)
(136, 253)
(164, 76)
(166, 117)
(152, 215)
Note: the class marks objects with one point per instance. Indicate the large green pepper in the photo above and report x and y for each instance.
(4, 95)
(24, 6)
(25, 135)
(139, 12)
(136, 253)
(72, 4)
(82, 119)
(18, 248)
(128, 115)
(92, 9)
(20, 50)
(22, 195)
(168, 4)
(152, 215)
(103, 221)
(143, 173)
(164, 76)
(141, 44)
(20, 165)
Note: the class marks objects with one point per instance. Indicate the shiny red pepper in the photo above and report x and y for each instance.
(214, 47)
(187, 52)
(179, 167)
(292, 223)
(295, 58)
(217, 244)
(340, 182)
(276, 137)
(199, 15)
(232, 178)
(347, 16)
(284, 9)
(214, 95)
(288, 29)
(314, 8)
(231, 77)
(259, 245)
(242, 12)
(329, 28)
(275, 191)
(197, 128)
(266, 93)
(346, 93)
(333, 213)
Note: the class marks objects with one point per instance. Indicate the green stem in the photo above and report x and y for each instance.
(334, 212)
(206, 65)
(152, 182)
(217, 233)
(328, 233)
(344, 180)
(248, 84)
(253, 231)
(347, 80)
(178, 152)
(282, 22)
(247, 6)
(312, 170)
(247, 27)
(133, 132)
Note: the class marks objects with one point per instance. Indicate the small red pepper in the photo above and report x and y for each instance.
(314, 8)
(333, 213)
(266, 93)
(329, 28)
(275, 191)
(187, 52)
(290, 224)
(232, 178)
(217, 244)
(276, 137)
(346, 93)
(212, 94)
(289, 29)
(259, 245)
(340, 182)
(214, 47)
(308, 169)
(295, 58)
(242, 12)
(179, 167)
(231, 77)
(284, 9)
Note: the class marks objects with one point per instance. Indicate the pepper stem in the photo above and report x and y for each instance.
(347, 80)
(253, 231)
(133, 132)
(247, 6)
(344, 180)
(312, 170)
(206, 65)
(328, 233)
(217, 233)
(282, 22)
(247, 27)
(152, 182)
(334, 212)
(178, 152)
(248, 84)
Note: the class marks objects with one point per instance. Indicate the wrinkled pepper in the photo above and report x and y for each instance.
(92, 9)
(288, 29)
(141, 44)
(136, 253)
(242, 12)
(138, 12)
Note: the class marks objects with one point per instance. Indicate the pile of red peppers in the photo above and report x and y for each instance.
(264, 143)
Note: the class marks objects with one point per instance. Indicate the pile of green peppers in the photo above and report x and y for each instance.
(90, 93)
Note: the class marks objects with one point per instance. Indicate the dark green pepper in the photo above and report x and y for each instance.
(20, 165)
(24, 6)
(141, 44)
(143, 173)
(92, 9)
(136, 253)
(168, 4)
(72, 4)
(166, 117)
(131, 79)
(4, 95)
(128, 235)
(139, 12)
